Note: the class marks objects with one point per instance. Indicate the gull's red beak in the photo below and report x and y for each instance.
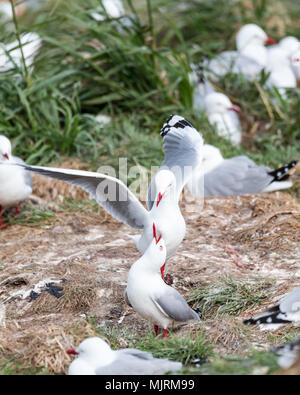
(162, 269)
(160, 196)
(270, 41)
(154, 234)
(235, 108)
(72, 351)
(6, 156)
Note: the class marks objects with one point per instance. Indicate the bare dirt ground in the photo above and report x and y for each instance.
(88, 255)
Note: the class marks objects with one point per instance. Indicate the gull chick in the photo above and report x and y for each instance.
(15, 182)
(150, 296)
(95, 357)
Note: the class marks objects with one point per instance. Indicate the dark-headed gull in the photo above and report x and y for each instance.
(237, 176)
(15, 182)
(95, 357)
(183, 153)
(150, 296)
(287, 310)
(250, 57)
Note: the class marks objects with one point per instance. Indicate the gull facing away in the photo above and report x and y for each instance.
(95, 357)
(237, 176)
(150, 296)
(15, 182)
(250, 57)
(114, 196)
(287, 310)
(183, 146)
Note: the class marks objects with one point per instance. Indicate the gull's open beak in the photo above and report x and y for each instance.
(6, 156)
(270, 41)
(234, 108)
(72, 352)
(160, 196)
(154, 234)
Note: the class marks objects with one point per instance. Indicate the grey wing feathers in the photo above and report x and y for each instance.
(291, 302)
(127, 364)
(174, 306)
(27, 174)
(136, 353)
(121, 204)
(236, 176)
(183, 152)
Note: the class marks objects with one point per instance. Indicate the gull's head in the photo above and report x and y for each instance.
(289, 44)
(212, 157)
(156, 252)
(217, 102)
(5, 149)
(94, 351)
(165, 186)
(252, 34)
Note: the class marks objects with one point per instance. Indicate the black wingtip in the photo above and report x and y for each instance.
(250, 321)
(282, 174)
(181, 123)
(268, 320)
(197, 310)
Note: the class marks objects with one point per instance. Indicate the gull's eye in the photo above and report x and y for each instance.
(161, 248)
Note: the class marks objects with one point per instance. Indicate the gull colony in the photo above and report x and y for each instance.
(187, 162)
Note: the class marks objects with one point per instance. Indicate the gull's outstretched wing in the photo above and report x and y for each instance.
(109, 192)
(183, 152)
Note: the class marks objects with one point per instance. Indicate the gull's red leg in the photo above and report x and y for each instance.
(17, 210)
(156, 330)
(165, 333)
(1, 222)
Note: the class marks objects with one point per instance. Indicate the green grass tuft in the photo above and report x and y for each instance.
(184, 349)
(259, 362)
(230, 296)
(13, 366)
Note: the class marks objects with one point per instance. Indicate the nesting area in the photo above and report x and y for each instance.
(56, 278)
